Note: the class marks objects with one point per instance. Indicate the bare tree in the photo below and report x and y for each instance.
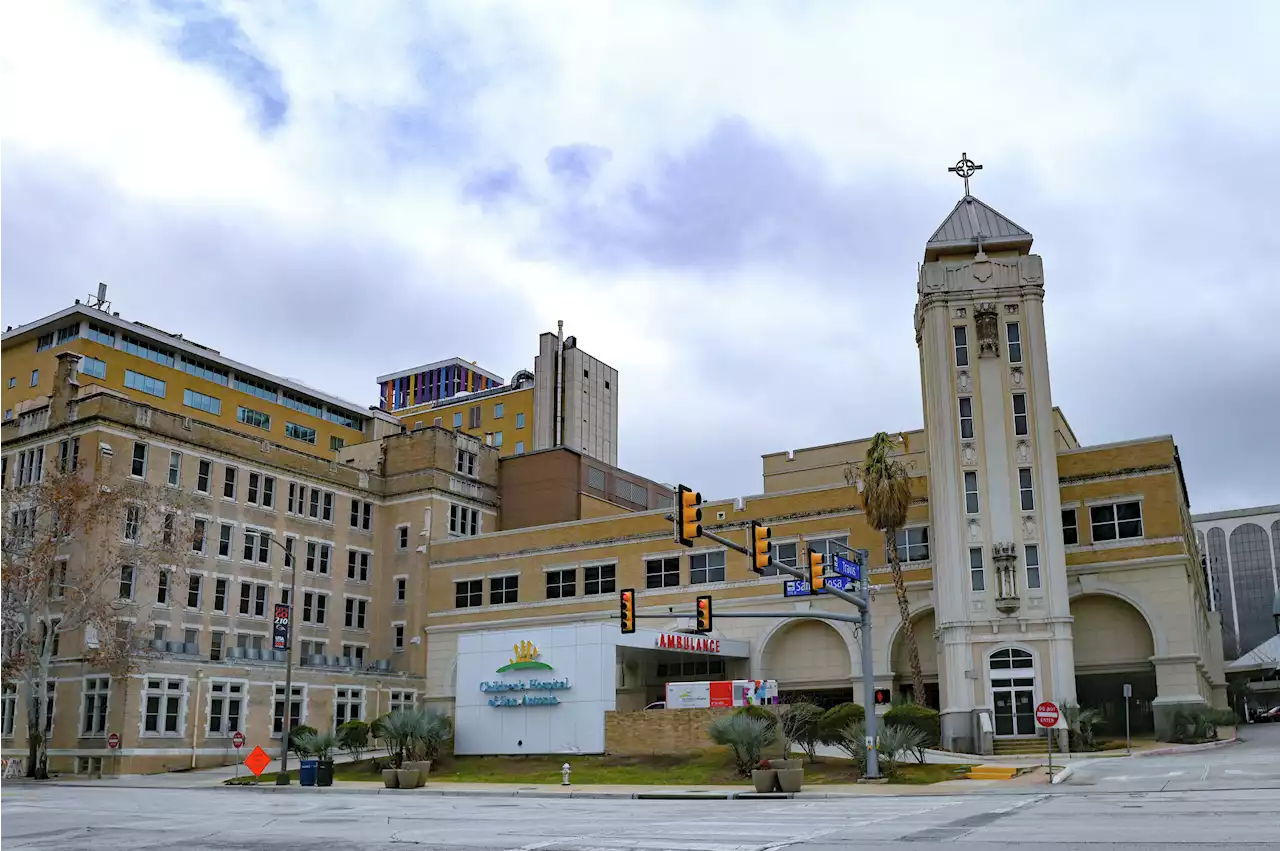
(79, 545)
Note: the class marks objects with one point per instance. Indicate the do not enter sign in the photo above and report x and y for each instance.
(113, 741)
(237, 741)
(1047, 714)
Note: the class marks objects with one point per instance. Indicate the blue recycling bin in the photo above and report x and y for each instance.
(307, 772)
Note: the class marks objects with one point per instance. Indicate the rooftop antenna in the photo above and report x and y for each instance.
(100, 300)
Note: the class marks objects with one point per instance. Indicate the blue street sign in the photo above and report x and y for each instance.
(845, 567)
(800, 587)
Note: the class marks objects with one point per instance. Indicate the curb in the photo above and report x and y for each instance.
(1062, 775)
(1204, 746)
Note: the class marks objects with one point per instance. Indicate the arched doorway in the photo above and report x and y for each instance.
(1012, 673)
(1113, 648)
(810, 660)
(923, 625)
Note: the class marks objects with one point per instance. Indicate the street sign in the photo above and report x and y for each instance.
(1047, 714)
(237, 741)
(847, 567)
(280, 638)
(113, 741)
(257, 761)
(800, 587)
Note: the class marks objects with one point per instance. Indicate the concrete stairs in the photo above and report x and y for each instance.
(1020, 747)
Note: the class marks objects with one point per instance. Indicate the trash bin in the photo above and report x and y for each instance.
(324, 773)
(307, 772)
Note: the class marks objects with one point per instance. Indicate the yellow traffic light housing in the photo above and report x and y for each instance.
(817, 581)
(628, 601)
(760, 546)
(688, 515)
(704, 614)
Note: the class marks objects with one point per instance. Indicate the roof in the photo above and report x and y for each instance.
(427, 367)
(1266, 656)
(969, 218)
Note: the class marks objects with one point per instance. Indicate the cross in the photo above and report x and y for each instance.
(965, 168)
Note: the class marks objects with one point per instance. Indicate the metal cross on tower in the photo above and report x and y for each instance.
(965, 168)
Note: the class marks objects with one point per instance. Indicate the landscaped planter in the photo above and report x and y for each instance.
(790, 779)
(764, 779)
(390, 778)
(423, 767)
(408, 777)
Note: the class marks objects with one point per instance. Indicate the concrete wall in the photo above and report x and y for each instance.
(659, 731)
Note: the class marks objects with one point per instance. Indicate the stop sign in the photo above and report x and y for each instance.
(238, 740)
(113, 741)
(1047, 714)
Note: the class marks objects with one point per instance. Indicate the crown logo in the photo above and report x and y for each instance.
(526, 657)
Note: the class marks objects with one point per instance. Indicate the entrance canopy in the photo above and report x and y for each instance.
(684, 642)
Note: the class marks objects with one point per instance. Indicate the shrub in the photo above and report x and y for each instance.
(1192, 725)
(1223, 717)
(415, 734)
(836, 720)
(296, 733)
(801, 724)
(1080, 724)
(317, 744)
(353, 738)
(921, 718)
(895, 743)
(745, 735)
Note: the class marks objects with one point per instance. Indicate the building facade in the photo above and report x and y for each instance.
(1242, 548)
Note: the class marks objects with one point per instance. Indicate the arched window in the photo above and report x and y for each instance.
(1011, 657)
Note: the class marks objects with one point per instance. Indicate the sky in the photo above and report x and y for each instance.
(725, 201)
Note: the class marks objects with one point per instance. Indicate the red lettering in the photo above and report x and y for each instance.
(662, 641)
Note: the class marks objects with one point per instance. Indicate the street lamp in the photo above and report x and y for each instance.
(282, 778)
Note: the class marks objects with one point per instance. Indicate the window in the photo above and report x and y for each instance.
(706, 567)
(401, 700)
(977, 574)
(268, 492)
(35, 379)
(93, 716)
(599, 579)
(301, 404)
(913, 544)
(519, 447)
(1014, 335)
(220, 595)
(402, 537)
(503, 589)
(93, 367)
(1033, 566)
(162, 706)
(474, 416)
(8, 709)
(327, 514)
(318, 557)
(201, 402)
(59, 581)
(336, 443)
(398, 643)
(466, 462)
(224, 540)
(358, 565)
(562, 583)
(966, 417)
(166, 534)
(277, 709)
(257, 546)
(102, 335)
(68, 332)
(314, 604)
(971, 492)
(497, 438)
(787, 554)
(253, 387)
(13, 382)
(361, 515)
(463, 520)
(44, 341)
(355, 614)
(139, 468)
(355, 652)
(297, 498)
(201, 369)
(162, 588)
(519, 420)
(255, 485)
(69, 455)
(51, 693)
(457, 419)
(1070, 527)
(1116, 521)
(226, 707)
(215, 646)
(297, 432)
(198, 535)
(497, 411)
(468, 593)
(290, 551)
(1025, 489)
(347, 703)
(229, 483)
(401, 588)
(250, 417)
(30, 467)
(662, 572)
(132, 523)
(260, 601)
(246, 598)
(1020, 413)
(175, 469)
(962, 346)
(138, 381)
(143, 349)
(203, 475)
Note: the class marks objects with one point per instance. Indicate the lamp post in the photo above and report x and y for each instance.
(282, 778)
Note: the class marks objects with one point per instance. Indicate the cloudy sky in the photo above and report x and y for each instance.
(724, 200)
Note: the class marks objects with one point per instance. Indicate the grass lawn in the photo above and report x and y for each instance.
(712, 767)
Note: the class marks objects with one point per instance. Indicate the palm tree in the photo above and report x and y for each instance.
(886, 496)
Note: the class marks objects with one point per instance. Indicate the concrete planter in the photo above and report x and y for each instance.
(408, 778)
(790, 779)
(764, 779)
(423, 767)
(390, 778)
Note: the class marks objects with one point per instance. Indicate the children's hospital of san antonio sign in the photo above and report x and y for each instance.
(516, 692)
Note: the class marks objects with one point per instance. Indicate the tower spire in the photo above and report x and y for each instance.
(965, 168)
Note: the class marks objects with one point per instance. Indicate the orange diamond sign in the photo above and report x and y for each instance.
(257, 761)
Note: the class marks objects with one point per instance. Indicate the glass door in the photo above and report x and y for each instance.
(1015, 713)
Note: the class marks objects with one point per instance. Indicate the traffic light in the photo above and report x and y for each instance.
(628, 599)
(688, 515)
(883, 697)
(759, 546)
(816, 579)
(704, 614)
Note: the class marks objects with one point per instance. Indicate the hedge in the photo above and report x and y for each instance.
(836, 719)
(920, 717)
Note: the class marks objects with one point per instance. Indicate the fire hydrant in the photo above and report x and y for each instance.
(564, 774)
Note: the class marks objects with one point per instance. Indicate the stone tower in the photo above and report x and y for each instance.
(1000, 583)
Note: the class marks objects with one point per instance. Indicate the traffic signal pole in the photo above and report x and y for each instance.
(860, 602)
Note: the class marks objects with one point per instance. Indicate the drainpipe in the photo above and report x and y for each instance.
(195, 716)
(559, 436)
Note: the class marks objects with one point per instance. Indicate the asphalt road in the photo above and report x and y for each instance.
(109, 818)
(1252, 763)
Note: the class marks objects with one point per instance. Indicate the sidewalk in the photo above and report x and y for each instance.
(196, 778)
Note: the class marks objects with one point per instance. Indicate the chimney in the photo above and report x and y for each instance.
(66, 386)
